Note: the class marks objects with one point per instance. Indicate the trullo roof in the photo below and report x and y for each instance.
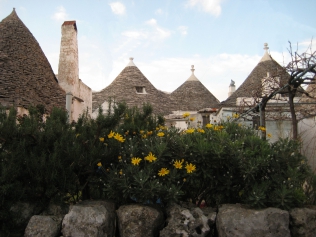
(252, 86)
(26, 77)
(192, 95)
(132, 87)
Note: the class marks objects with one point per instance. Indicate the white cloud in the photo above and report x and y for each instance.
(306, 46)
(151, 22)
(135, 34)
(158, 32)
(60, 14)
(183, 30)
(159, 11)
(210, 6)
(151, 34)
(117, 8)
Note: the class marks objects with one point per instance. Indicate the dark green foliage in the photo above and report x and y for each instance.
(44, 160)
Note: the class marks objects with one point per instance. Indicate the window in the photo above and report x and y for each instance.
(140, 90)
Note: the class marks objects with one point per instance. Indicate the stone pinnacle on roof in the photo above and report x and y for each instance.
(232, 83)
(192, 77)
(266, 55)
(131, 63)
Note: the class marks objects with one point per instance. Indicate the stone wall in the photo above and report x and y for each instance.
(101, 218)
(307, 133)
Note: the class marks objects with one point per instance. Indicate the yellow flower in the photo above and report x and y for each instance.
(126, 133)
(111, 134)
(186, 115)
(235, 115)
(119, 137)
(121, 172)
(141, 131)
(190, 130)
(269, 135)
(157, 128)
(144, 136)
(192, 119)
(190, 168)
(162, 127)
(178, 164)
(160, 134)
(150, 157)
(99, 164)
(119, 157)
(184, 179)
(200, 130)
(101, 139)
(149, 133)
(263, 129)
(136, 160)
(209, 125)
(163, 172)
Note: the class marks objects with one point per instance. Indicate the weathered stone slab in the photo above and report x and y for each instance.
(39, 226)
(139, 221)
(303, 222)
(90, 218)
(183, 222)
(237, 221)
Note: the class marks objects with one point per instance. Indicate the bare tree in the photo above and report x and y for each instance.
(301, 71)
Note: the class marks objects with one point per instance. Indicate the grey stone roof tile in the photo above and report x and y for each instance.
(253, 83)
(123, 89)
(26, 77)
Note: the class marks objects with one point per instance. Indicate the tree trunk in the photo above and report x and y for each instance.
(292, 93)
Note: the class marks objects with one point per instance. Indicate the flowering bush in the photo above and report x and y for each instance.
(128, 155)
(222, 163)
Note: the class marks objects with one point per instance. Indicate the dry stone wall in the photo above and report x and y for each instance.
(100, 218)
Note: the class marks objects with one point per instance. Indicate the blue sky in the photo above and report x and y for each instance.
(222, 38)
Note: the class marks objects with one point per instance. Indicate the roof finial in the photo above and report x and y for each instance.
(266, 47)
(131, 63)
(192, 69)
(192, 77)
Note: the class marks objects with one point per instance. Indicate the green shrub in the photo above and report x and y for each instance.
(128, 155)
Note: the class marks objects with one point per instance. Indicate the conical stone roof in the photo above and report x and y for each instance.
(26, 77)
(252, 86)
(132, 87)
(192, 95)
